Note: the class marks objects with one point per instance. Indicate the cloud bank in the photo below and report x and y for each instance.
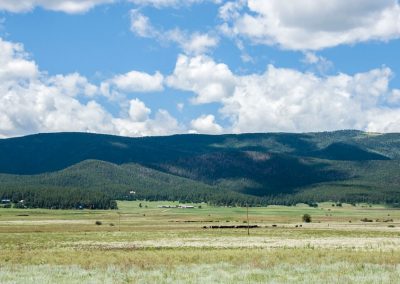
(289, 100)
(276, 100)
(32, 102)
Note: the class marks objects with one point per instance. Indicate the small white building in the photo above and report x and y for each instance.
(186, 206)
(166, 206)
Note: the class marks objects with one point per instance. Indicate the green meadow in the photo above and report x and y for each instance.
(142, 243)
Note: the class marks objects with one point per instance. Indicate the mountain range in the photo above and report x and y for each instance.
(273, 168)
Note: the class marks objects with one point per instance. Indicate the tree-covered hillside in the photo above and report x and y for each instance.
(227, 169)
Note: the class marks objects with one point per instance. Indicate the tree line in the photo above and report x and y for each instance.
(57, 198)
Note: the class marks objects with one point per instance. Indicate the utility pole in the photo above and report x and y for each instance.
(119, 221)
(248, 224)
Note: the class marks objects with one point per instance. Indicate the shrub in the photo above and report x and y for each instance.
(306, 218)
(98, 223)
(19, 205)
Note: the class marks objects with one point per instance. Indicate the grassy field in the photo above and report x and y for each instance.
(148, 244)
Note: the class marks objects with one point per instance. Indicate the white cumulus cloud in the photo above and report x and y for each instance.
(191, 43)
(141, 25)
(289, 100)
(209, 80)
(72, 85)
(67, 6)
(195, 43)
(162, 124)
(170, 3)
(231, 9)
(13, 63)
(394, 97)
(319, 63)
(205, 124)
(135, 81)
(82, 6)
(32, 101)
(313, 24)
(138, 111)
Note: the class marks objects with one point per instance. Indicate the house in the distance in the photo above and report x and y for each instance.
(186, 206)
(182, 206)
(166, 206)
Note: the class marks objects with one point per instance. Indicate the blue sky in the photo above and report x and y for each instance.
(160, 67)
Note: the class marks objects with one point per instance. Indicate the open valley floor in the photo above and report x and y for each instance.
(156, 242)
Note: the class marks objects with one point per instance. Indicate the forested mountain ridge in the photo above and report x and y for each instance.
(272, 167)
(51, 152)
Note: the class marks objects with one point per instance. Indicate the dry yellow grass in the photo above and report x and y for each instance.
(143, 245)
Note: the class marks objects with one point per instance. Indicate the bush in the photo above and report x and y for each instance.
(306, 218)
(98, 223)
(19, 205)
